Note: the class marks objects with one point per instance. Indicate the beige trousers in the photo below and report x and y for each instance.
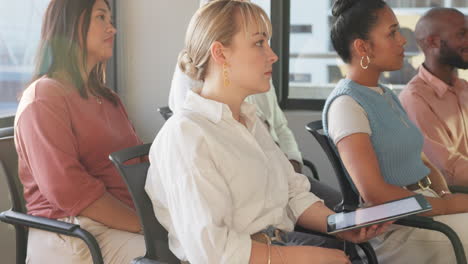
(116, 246)
(407, 245)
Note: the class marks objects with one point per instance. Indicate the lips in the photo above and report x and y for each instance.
(109, 40)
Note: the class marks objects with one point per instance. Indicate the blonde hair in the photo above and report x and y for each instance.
(217, 21)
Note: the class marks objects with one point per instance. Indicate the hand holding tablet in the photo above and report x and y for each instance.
(377, 214)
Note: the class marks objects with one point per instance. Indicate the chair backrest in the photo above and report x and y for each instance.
(156, 237)
(166, 112)
(9, 160)
(9, 165)
(350, 197)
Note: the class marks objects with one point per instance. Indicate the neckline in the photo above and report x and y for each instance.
(374, 89)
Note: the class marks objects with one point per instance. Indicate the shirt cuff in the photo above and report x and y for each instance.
(295, 156)
(301, 202)
(240, 253)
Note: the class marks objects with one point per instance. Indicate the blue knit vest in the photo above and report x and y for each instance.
(396, 140)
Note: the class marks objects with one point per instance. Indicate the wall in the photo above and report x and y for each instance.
(151, 34)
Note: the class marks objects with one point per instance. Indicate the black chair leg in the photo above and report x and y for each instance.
(370, 253)
(21, 243)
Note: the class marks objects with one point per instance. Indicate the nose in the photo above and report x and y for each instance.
(273, 57)
(403, 40)
(111, 28)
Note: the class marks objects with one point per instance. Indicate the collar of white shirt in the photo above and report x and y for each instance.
(216, 111)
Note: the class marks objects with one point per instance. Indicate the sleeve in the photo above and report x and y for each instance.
(346, 117)
(50, 149)
(300, 197)
(190, 180)
(286, 139)
(438, 146)
(180, 85)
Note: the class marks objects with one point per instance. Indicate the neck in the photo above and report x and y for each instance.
(442, 71)
(368, 77)
(214, 89)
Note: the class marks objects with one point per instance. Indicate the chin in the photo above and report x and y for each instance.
(395, 67)
(106, 57)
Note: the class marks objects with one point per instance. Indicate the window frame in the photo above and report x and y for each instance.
(280, 43)
(281, 11)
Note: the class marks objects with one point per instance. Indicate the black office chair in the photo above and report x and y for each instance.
(156, 238)
(18, 216)
(351, 198)
(166, 113)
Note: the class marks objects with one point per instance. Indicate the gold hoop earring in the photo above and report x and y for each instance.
(226, 80)
(362, 62)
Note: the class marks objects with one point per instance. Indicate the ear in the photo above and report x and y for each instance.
(361, 47)
(217, 51)
(433, 41)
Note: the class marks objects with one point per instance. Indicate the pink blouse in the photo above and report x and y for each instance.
(63, 143)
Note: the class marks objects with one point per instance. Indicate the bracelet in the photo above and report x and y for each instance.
(281, 255)
(268, 242)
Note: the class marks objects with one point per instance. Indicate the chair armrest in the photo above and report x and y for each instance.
(365, 246)
(143, 260)
(312, 232)
(46, 224)
(312, 168)
(458, 189)
(431, 224)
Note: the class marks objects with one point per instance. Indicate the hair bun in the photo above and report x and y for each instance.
(187, 66)
(340, 6)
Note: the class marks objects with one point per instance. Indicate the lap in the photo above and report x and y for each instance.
(116, 246)
(417, 245)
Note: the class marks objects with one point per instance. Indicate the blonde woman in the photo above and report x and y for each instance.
(218, 182)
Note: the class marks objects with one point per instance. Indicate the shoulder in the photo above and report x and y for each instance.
(344, 101)
(345, 104)
(47, 89)
(413, 89)
(415, 85)
(44, 91)
(184, 128)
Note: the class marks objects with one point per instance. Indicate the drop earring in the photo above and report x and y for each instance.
(226, 80)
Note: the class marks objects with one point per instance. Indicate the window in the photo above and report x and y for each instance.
(309, 66)
(20, 26)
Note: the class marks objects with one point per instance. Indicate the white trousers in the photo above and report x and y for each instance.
(116, 246)
(407, 245)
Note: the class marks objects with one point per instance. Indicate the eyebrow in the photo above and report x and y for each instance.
(259, 33)
(395, 25)
(103, 10)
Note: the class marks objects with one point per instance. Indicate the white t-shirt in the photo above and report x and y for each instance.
(346, 117)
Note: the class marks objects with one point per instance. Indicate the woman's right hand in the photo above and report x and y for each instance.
(314, 255)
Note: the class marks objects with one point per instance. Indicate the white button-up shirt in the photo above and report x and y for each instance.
(214, 182)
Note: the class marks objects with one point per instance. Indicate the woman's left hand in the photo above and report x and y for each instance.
(363, 234)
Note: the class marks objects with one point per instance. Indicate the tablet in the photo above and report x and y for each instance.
(376, 214)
